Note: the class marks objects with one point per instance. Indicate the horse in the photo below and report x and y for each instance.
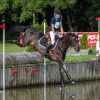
(58, 53)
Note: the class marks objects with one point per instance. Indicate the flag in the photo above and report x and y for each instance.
(2, 26)
(98, 18)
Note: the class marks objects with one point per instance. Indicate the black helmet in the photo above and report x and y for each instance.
(57, 11)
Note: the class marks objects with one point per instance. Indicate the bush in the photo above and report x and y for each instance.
(30, 48)
(84, 41)
(42, 26)
(92, 50)
(38, 26)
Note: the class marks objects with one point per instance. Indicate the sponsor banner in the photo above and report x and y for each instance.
(93, 37)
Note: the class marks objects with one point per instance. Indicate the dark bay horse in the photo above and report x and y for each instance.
(32, 36)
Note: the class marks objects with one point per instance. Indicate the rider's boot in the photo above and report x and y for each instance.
(47, 49)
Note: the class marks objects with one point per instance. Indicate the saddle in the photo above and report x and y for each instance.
(48, 38)
(45, 40)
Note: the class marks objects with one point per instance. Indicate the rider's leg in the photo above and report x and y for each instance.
(47, 49)
(52, 36)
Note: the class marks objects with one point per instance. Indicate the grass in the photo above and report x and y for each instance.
(13, 48)
(79, 58)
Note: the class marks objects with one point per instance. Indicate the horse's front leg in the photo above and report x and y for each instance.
(67, 74)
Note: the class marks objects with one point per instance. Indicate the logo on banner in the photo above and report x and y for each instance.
(92, 39)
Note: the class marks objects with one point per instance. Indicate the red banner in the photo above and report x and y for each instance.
(92, 37)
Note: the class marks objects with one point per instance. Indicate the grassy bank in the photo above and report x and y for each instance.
(80, 58)
(13, 48)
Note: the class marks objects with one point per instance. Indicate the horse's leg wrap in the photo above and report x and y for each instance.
(67, 74)
(62, 77)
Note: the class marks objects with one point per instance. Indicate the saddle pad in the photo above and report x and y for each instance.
(43, 42)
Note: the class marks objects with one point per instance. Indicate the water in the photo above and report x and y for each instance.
(79, 91)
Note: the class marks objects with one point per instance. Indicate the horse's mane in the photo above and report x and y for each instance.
(69, 34)
(35, 30)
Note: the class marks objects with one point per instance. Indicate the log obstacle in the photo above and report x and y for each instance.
(26, 69)
(22, 58)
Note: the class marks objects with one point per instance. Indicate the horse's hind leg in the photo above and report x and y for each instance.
(61, 76)
(67, 74)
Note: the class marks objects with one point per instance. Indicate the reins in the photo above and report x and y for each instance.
(62, 48)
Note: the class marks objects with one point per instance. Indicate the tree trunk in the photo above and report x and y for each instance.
(33, 19)
(69, 22)
(22, 58)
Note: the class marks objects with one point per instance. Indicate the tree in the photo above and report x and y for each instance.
(93, 12)
(84, 41)
(65, 5)
(4, 6)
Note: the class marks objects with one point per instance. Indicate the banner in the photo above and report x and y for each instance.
(92, 37)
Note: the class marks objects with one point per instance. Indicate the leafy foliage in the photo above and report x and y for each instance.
(84, 41)
(30, 48)
(74, 12)
(41, 26)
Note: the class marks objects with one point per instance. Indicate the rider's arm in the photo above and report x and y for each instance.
(52, 28)
(61, 29)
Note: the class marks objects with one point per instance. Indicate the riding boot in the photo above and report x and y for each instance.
(47, 49)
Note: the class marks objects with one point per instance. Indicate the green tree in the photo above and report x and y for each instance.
(65, 5)
(92, 12)
(84, 41)
(42, 26)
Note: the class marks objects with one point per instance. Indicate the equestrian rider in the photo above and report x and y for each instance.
(56, 26)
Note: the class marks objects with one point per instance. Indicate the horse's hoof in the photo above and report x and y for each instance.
(62, 89)
(72, 97)
(72, 82)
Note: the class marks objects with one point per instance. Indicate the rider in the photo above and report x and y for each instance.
(56, 26)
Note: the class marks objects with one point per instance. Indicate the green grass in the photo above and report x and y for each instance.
(79, 58)
(11, 48)
(75, 59)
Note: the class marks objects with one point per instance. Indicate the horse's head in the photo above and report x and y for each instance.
(19, 41)
(74, 42)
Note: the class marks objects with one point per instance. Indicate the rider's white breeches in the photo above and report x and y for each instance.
(52, 36)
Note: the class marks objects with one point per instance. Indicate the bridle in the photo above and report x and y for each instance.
(68, 43)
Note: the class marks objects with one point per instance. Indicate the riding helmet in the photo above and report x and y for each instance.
(57, 11)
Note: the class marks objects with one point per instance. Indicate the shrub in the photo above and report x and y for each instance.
(30, 48)
(42, 26)
(37, 25)
(84, 41)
